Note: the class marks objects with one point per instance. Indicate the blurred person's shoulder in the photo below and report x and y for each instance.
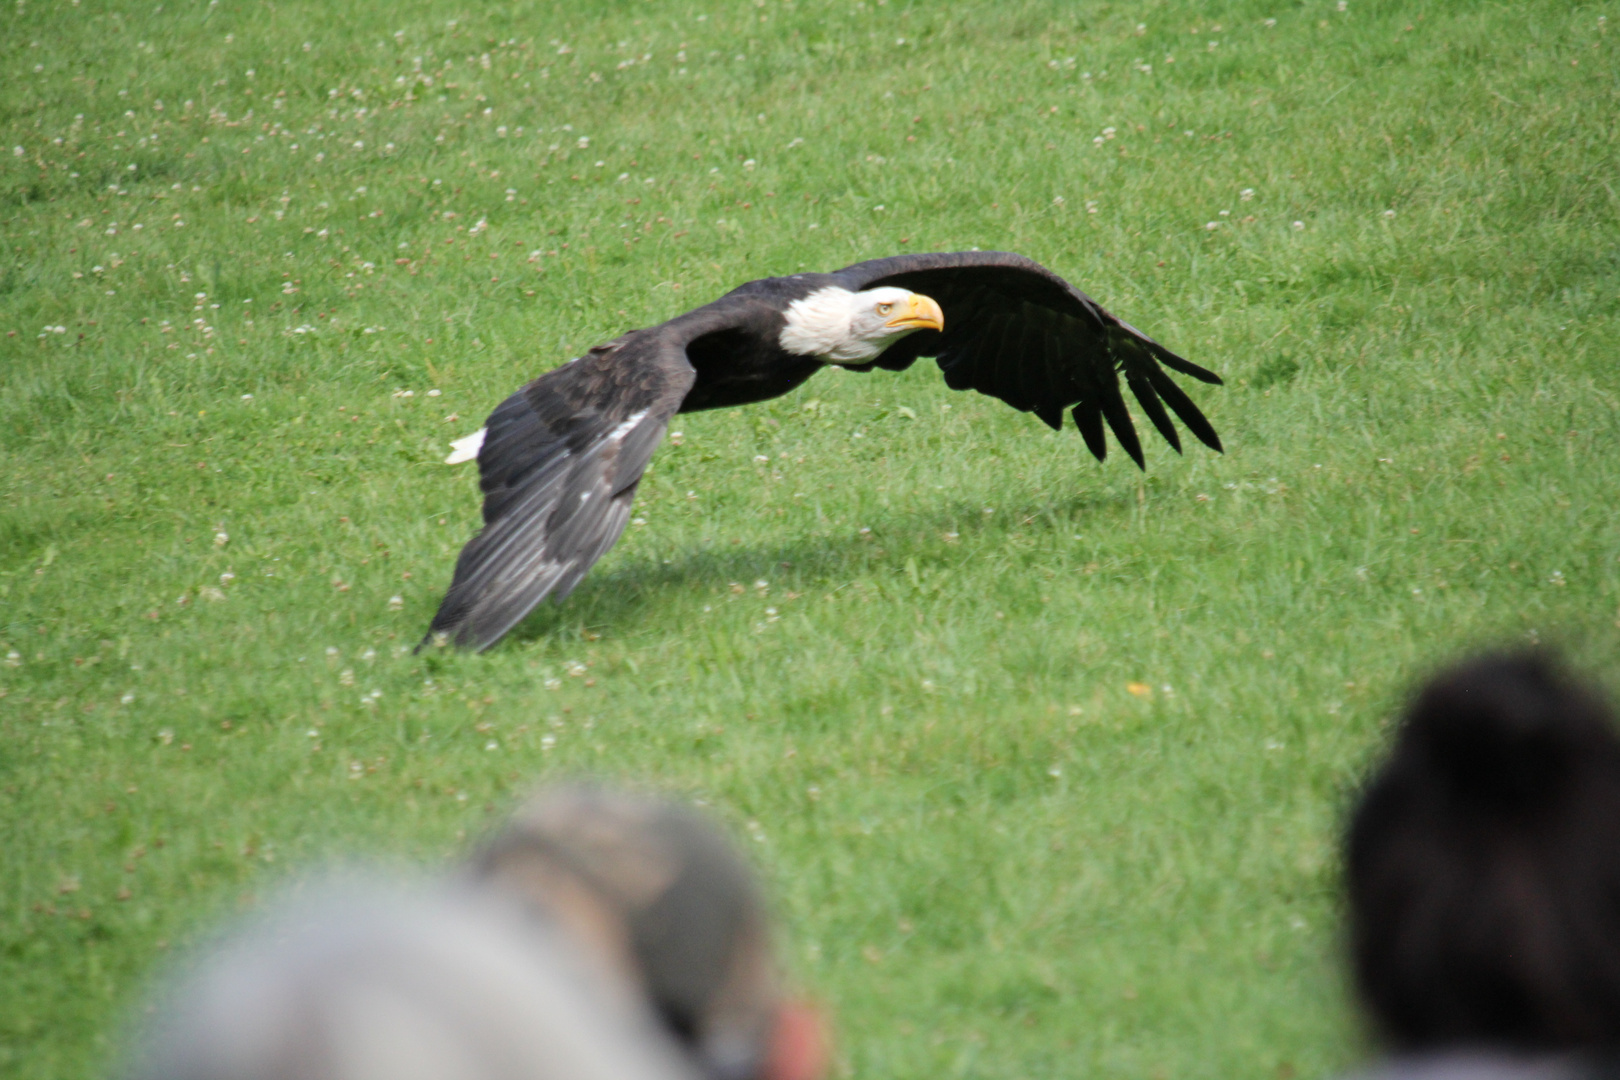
(1490, 1065)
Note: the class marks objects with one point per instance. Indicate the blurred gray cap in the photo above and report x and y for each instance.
(378, 983)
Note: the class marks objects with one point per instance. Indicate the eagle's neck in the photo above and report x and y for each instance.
(821, 325)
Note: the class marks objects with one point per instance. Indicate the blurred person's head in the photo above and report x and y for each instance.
(1483, 865)
(661, 896)
(372, 983)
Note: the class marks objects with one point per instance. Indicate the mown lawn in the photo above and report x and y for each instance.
(1043, 759)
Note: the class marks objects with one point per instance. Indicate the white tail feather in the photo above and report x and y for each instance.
(466, 449)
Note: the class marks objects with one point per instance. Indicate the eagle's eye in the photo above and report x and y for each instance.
(884, 308)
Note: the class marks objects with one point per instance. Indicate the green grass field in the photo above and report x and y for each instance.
(1044, 760)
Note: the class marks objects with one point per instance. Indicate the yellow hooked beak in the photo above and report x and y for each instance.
(918, 312)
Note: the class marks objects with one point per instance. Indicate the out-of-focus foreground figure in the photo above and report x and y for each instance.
(668, 905)
(1483, 867)
(373, 983)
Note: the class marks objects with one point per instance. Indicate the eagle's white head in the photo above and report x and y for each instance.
(838, 326)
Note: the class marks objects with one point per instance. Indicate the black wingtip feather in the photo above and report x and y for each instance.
(1183, 406)
(1183, 365)
(1149, 400)
(1088, 418)
(1119, 419)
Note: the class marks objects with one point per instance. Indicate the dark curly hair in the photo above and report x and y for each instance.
(1483, 864)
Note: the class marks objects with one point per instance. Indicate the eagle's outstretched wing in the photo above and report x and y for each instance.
(559, 465)
(1017, 331)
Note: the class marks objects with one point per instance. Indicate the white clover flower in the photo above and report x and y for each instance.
(1299, 226)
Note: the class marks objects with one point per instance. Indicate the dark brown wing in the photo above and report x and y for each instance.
(559, 467)
(1017, 331)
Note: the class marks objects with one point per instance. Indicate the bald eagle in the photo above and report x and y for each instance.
(560, 459)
